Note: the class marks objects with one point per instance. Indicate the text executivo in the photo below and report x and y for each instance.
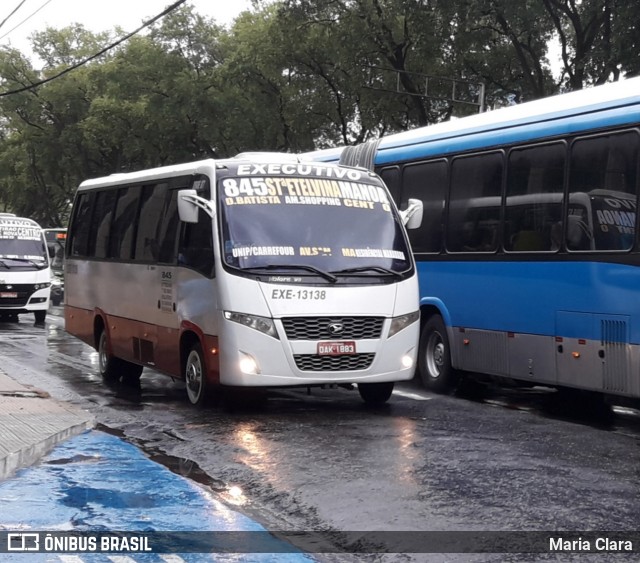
(299, 170)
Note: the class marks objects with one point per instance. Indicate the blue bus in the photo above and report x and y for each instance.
(528, 253)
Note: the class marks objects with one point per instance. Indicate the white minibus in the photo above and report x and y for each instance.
(25, 276)
(256, 271)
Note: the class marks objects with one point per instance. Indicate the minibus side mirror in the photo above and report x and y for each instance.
(188, 203)
(187, 208)
(412, 215)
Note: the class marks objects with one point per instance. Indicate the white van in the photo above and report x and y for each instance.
(25, 274)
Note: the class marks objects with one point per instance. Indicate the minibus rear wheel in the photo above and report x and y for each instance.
(434, 358)
(195, 376)
(375, 393)
(112, 368)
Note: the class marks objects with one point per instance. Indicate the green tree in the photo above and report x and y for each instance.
(40, 140)
(599, 39)
(290, 75)
(504, 43)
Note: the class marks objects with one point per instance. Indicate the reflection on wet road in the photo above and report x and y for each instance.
(495, 459)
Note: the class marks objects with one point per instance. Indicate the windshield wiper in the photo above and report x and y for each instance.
(326, 275)
(362, 269)
(32, 262)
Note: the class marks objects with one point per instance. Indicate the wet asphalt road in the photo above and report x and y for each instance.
(514, 460)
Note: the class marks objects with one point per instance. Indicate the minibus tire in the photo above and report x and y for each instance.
(130, 373)
(195, 376)
(434, 358)
(375, 393)
(40, 316)
(107, 364)
(112, 368)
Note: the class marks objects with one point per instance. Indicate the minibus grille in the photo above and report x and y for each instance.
(351, 362)
(15, 294)
(332, 328)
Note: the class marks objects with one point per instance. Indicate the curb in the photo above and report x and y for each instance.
(32, 423)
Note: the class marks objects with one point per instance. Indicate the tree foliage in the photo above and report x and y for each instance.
(288, 75)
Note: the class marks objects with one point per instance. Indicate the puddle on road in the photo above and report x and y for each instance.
(178, 465)
(75, 459)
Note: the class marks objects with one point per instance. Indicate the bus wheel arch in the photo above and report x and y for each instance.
(434, 355)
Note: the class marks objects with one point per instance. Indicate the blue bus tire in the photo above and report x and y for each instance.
(434, 357)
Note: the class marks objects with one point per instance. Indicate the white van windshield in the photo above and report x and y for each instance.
(314, 225)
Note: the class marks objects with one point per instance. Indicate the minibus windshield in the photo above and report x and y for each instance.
(22, 245)
(302, 224)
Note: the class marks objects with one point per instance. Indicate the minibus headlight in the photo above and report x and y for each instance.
(407, 361)
(262, 324)
(248, 364)
(41, 285)
(400, 323)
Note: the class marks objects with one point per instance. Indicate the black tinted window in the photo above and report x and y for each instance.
(168, 228)
(153, 201)
(427, 182)
(124, 222)
(533, 204)
(101, 223)
(196, 241)
(474, 206)
(602, 193)
(81, 225)
(391, 177)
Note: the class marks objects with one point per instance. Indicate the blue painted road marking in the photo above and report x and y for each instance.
(96, 482)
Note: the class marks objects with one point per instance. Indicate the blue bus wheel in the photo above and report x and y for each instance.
(434, 360)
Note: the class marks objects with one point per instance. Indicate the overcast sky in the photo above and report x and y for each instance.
(97, 15)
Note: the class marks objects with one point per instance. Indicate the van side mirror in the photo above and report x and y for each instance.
(188, 203)
(412, 215)
(187, 208)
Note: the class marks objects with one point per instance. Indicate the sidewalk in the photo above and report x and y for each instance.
(98, 484)
(32, 423)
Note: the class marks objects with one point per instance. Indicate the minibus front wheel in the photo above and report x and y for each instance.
(375, 393)
(195, 376)
(434, 359)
